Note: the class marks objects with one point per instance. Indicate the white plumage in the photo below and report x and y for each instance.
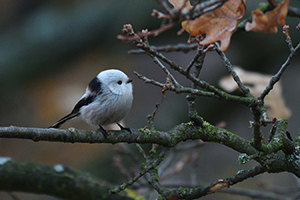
(107, 99)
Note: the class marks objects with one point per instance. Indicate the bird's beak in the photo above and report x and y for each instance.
(129, 81)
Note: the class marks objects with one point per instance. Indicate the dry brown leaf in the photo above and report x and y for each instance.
(218, 186)
(177, 4)
(256, 82)
(268, 22)
(218, 24)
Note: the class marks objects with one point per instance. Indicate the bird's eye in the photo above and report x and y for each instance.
(119, 82)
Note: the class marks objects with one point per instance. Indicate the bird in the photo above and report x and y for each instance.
(107, 100)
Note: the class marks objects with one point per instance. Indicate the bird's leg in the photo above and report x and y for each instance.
(103, 131)
(124, 128)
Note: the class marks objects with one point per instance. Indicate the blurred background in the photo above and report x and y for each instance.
(50, 50)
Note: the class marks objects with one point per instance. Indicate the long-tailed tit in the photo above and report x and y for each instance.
(107, 100)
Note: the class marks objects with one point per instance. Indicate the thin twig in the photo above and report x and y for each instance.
(293, 11)
(230, 69)
(194, 6)
(176, 168)
(285, 31)
(123, 149)
(151, 166)
(197, 61)
(153, 177)
(185, 48)
(163, 4)
(157, 61)
(197, 192)
(210, 88)
(234, 191)
(147, 80)
(117, 160)
(278, 75)
(194, 60)
(202, 8)
(154, 182)
(178, 149)
(141, 150)
(257, 134)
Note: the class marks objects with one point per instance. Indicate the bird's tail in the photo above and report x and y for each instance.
(64, 119)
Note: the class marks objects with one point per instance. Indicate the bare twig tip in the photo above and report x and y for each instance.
(159, 15)
(298, 27)
(285, 31)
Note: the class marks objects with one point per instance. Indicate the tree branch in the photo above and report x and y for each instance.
(272, 162)
(181, 132)
(57, 180)
(197, 192)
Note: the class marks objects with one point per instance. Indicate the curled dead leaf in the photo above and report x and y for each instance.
(178, 4)
(218, 24)
(218, 186)
(267, 22)
(256, 82)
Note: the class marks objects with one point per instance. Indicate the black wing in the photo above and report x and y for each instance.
(75, 112)
(95, 86)
(95, 89)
